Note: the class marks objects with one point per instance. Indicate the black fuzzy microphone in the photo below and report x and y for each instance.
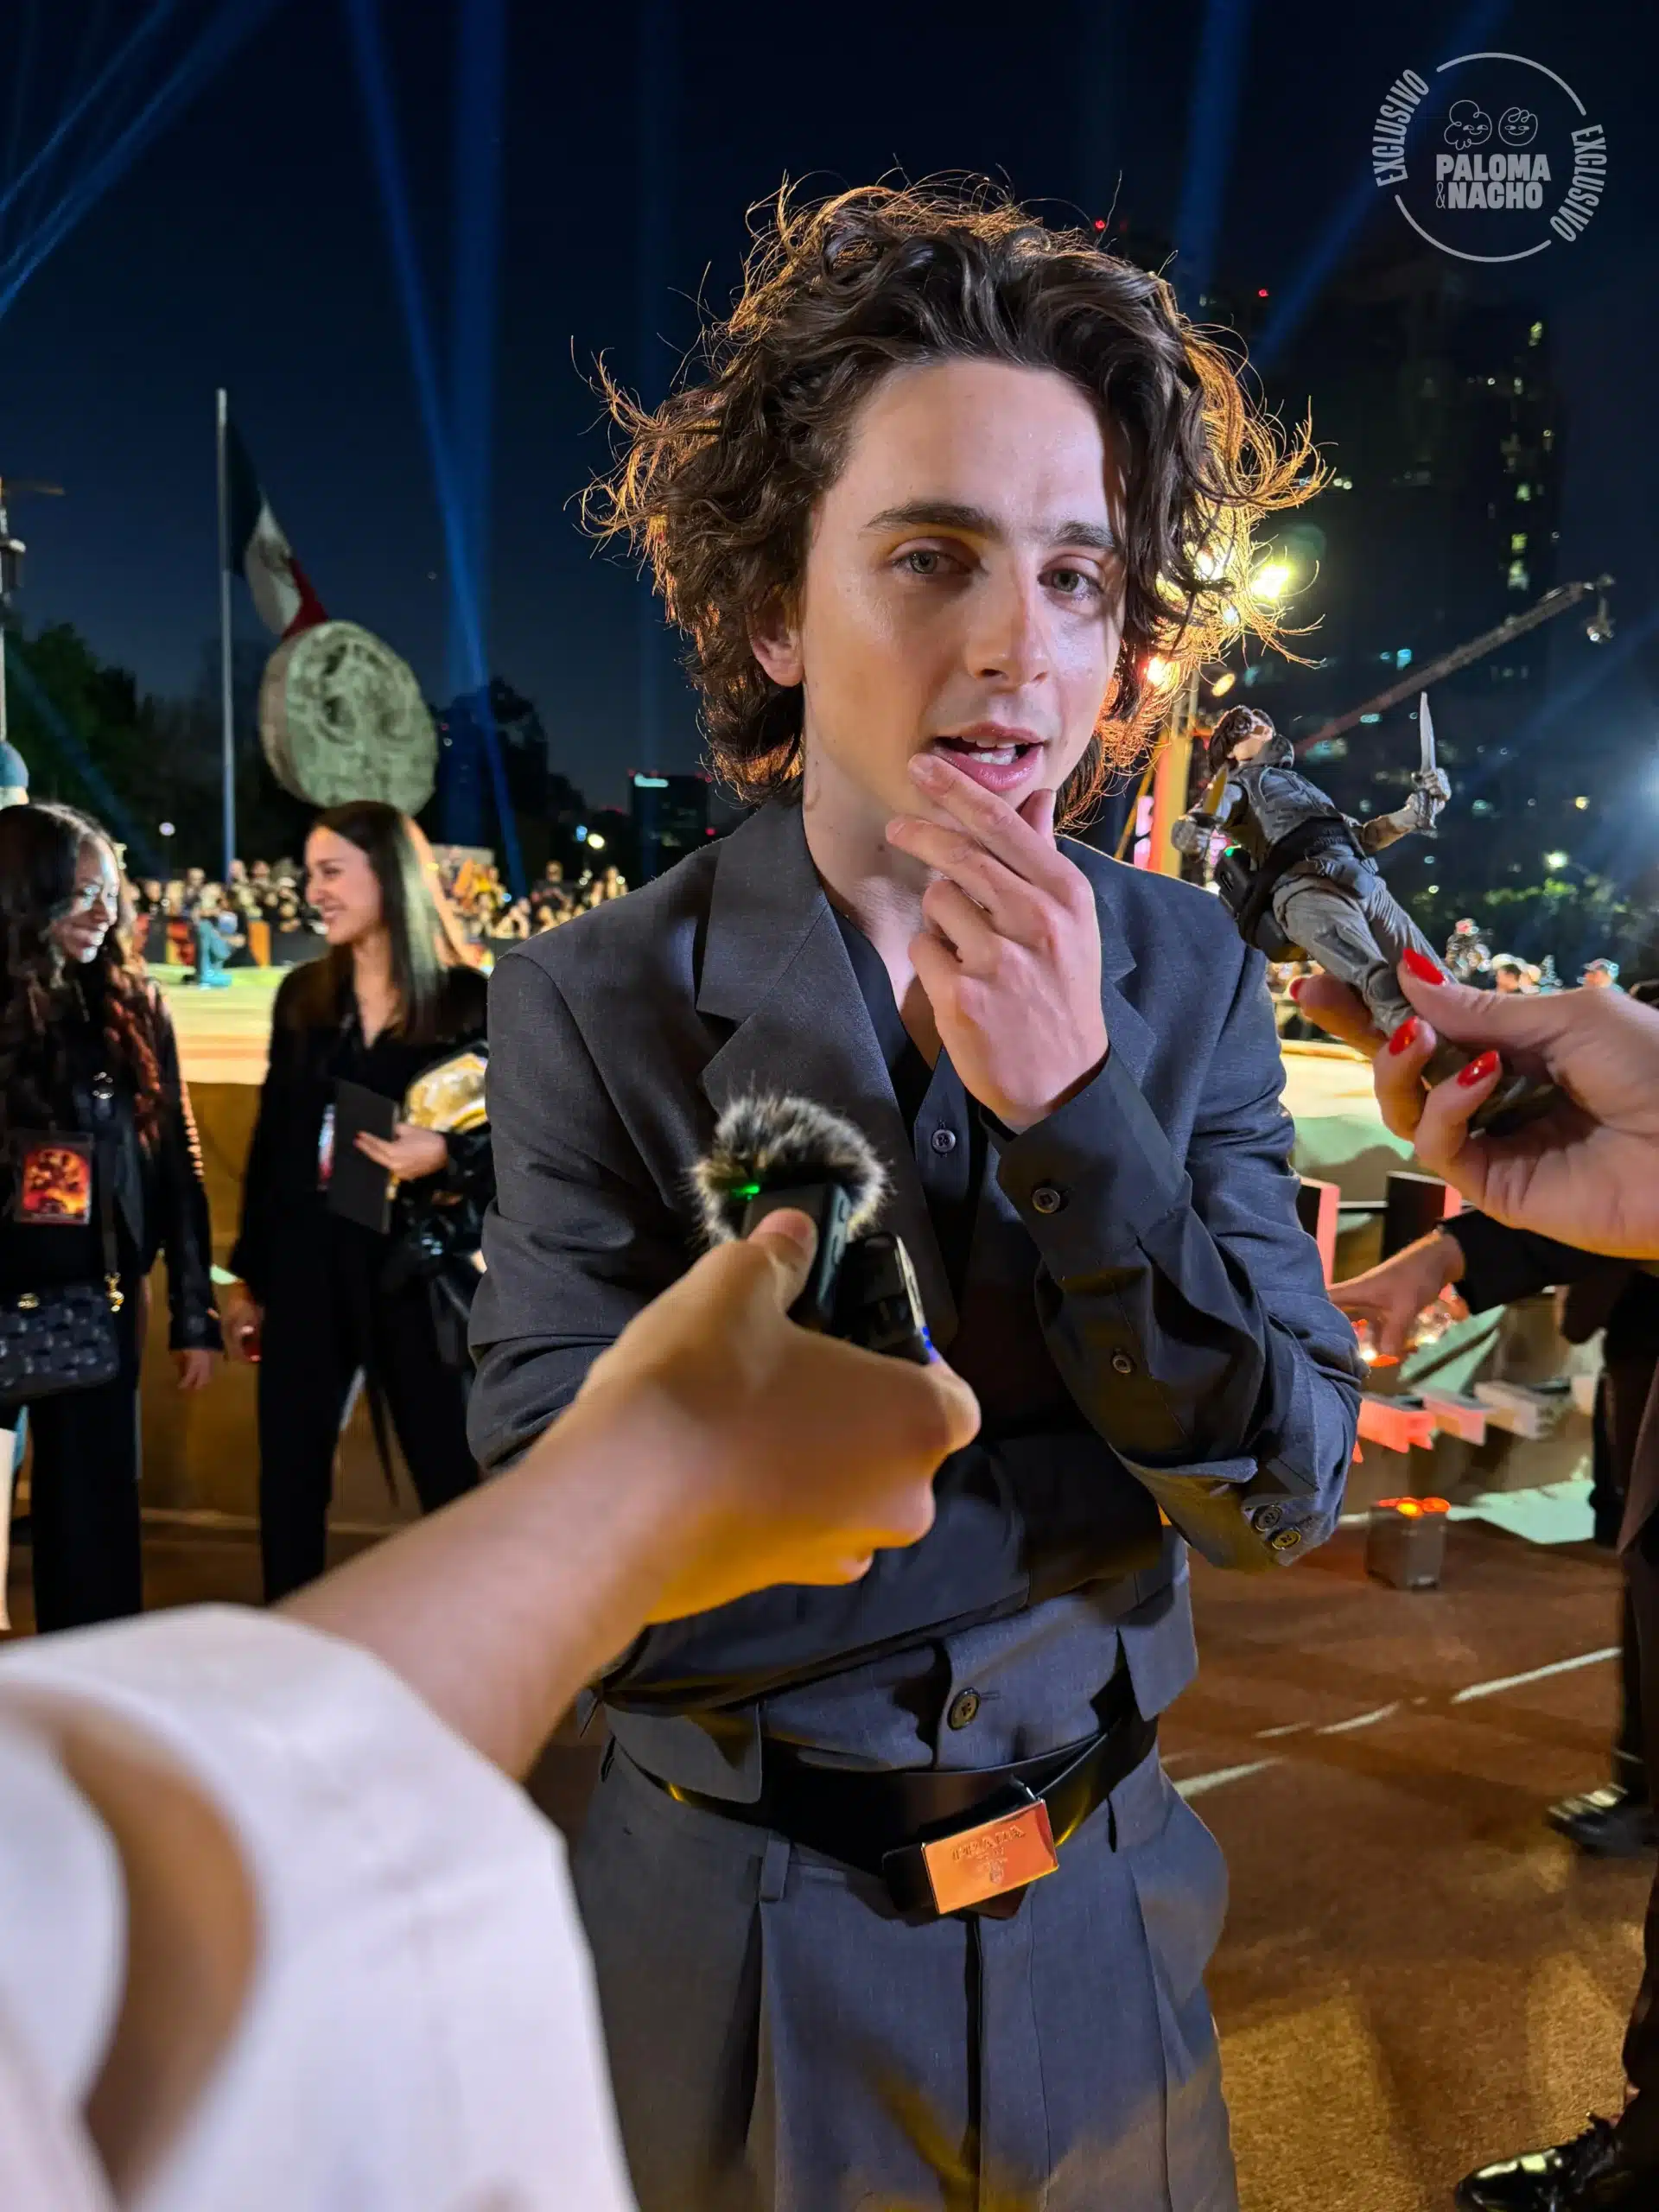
(779, 1151)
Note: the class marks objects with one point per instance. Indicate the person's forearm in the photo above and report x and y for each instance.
(497, 1609)
(1385, 829)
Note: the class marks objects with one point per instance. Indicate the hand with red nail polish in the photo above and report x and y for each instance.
(1401, 1038)
(1586, 1172)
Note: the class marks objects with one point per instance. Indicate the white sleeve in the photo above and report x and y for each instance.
(422, 2030)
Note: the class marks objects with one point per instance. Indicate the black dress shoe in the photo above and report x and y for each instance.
(1608, 1823)
(1589, 2174)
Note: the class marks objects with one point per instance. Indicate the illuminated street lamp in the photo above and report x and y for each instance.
(1556, 860)
(1271, 581)
(1161, 674)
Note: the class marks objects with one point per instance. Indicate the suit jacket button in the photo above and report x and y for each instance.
(944, 1140)
(1286, 1540)
(1267, 1520)
(963, 1706)
(1047, 1200)
(1122, 1363)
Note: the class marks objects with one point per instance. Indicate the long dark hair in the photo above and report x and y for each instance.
(716, 488)
(427, 943)
(44, 994)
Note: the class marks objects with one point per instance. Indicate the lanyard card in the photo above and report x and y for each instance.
(54, 1179)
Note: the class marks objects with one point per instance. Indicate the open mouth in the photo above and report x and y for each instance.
(989, 753)
(996, 763)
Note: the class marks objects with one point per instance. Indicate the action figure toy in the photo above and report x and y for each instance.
(1298, 874)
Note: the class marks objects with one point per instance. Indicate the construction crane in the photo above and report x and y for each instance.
(1561, 600)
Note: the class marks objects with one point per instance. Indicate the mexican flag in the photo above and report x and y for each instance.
(255, 548)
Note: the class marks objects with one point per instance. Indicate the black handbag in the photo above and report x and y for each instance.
(64, 1338)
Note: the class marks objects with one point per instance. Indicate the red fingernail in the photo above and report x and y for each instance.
(1403, 1035)
(1295, 986)
(1422, 967)
(1477, 1071)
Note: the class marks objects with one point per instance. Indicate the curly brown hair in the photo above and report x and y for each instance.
(716, 487)
(40, 847)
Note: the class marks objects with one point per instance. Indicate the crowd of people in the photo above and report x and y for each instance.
(1469, 959)
(273, 894)
(491, 914)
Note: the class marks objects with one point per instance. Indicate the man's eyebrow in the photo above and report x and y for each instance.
(979, 522)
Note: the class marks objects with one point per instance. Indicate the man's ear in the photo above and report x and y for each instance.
(775, 641)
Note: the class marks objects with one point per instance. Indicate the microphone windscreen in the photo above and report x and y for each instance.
(771, 1143)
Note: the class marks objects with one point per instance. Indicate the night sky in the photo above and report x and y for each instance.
(246, 246)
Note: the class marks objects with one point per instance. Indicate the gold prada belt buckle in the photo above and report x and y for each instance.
(992, 1858)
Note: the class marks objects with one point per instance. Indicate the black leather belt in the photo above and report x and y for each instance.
(881, 1822)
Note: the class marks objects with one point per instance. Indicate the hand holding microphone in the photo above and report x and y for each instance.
(794, 1454)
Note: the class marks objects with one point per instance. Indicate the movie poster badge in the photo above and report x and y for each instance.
(54, 1179)
(1494, 157)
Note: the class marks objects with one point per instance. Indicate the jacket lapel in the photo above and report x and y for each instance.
(774, 963)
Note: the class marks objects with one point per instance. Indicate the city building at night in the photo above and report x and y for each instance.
(670, 817)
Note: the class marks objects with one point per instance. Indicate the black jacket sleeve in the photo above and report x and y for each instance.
(1502, 1264)
(1184, 1304)
(186, 1232)
(262, 1195)
(579, 1240)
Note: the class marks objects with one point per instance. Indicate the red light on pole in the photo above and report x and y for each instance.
(1262, 292)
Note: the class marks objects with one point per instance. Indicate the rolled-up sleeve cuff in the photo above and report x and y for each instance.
(1106, 1143)
(1230, 1530)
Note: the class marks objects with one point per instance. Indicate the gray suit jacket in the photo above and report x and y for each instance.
(1182, 1304)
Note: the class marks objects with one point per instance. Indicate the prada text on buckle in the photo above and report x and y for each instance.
(992, 1858)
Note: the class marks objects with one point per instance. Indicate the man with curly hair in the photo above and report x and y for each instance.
(947, 480)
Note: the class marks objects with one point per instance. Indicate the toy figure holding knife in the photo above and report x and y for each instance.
(1299, 875)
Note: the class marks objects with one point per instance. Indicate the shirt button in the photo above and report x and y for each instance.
(963, 1706)
(1122, 1364)
(1286, 1541)
(944, 1140)
(1047, 1200)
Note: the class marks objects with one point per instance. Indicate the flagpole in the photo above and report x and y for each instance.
(227, 727)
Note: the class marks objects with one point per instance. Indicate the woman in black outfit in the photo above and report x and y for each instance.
(320, 1296)
(86, 1049)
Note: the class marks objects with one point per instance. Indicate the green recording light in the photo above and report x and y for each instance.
(746, 1190)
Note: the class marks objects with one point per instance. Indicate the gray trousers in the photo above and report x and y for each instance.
(1344, 915)
(781, 2041)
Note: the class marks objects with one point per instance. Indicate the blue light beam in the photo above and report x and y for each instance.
(363, 19)
(1212, 125)
(210, 53)
(1296, 299)
(110, 812)
(481, 65)
(116, 63)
